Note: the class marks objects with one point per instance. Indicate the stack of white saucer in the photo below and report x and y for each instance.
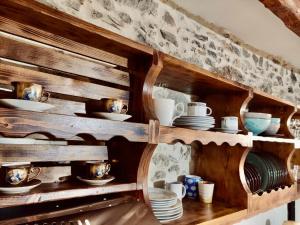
(165, 205)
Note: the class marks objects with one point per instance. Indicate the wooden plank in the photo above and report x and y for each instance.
(61, 191)
(170, 135)
(17, 123)
(57, 84)
(58, 23)
(193, 79)
(29, 141)
(68, 211)
(32, 33)
(60, 60)
(51, 153)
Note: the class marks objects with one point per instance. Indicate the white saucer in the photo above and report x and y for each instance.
(20, 189)
(111, 116)
(26, 105)
(100, 182)
(161, 195)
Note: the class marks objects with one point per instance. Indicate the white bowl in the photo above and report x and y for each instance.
(257, 115)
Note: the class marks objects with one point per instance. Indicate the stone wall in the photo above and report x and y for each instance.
(160, 26)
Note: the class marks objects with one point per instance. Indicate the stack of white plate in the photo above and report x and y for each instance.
(165, 205)
(195, 122)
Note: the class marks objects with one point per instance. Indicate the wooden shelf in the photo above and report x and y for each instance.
(60, 191)
(195, 213)
(170, 135)
(193, 77)
(51, 210)
(258, 203)
(274, 139)
(16, 123)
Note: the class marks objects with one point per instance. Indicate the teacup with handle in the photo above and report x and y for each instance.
(165, 110)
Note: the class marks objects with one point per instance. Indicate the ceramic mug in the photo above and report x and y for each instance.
(109, 105)
(18, 173)
(206, 191)
(178, 188)
(230, 123)
(191, 185)
(30, 91)
(96, 169)
(198, 109)
(165, 108)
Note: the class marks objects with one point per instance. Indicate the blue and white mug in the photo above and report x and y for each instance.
(191, 186)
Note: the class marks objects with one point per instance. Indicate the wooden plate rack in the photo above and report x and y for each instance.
(77, 62)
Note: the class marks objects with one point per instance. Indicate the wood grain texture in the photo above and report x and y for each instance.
(60, 60)
(70, 27)
(271, 200)
(57, 191)
(170, 135)
(14, 123)
(224, 171)
(51, 153)
(193, 79)
(66, 212)
(42, 36)
(58, 84)
(195, 212)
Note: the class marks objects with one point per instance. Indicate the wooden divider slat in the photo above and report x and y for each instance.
(58, 23)
(17, 123)
(57, 84)
(26, 31)
(60, 60)
(66, 107)
(51, 153)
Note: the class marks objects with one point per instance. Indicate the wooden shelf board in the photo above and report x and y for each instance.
(194, 79)
(262, 98)
(17, 123)
(274, 139)
(57, 209)
(61, 24)
(61, 191)
(195, 212)
(169, 135)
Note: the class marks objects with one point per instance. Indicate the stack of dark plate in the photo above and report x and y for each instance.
(264, 171)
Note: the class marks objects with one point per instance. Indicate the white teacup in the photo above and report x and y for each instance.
(165, 108)
(206, 191)
(178, 188)
(230, 123)
(198, 109)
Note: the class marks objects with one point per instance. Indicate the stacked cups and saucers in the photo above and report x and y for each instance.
(108, 108)
(95, 173)
(18, 177)
(167, 203)
(27, 96)
(198, 117)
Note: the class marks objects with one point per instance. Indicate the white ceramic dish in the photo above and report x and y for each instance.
(99, 182)
(20, 189)
(171, 218)
(176, 206)
(257, 115)
(161, 195)
(26, 105)
(111, 116)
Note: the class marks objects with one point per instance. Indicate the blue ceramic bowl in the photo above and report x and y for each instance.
(274, 126)
(257, 125)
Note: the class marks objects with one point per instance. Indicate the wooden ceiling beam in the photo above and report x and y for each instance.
(287, 10)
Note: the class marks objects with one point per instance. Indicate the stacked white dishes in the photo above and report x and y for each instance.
(165, 205)
(195, 122)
